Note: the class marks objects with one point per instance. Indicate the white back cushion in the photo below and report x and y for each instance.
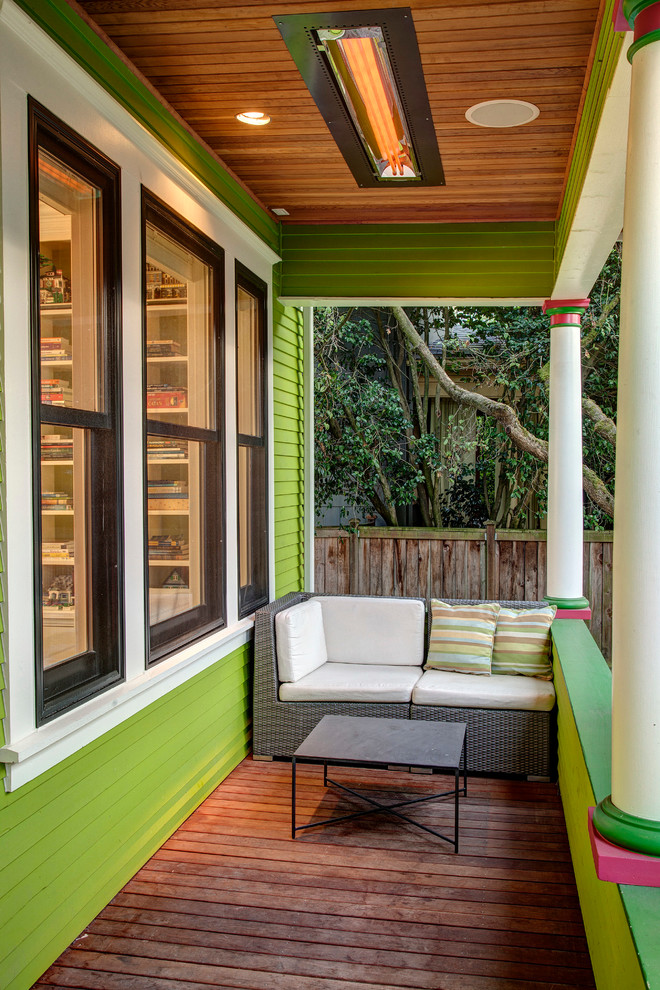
(300, 640)
(373, 630)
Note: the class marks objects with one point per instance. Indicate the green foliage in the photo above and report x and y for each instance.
(382, 444)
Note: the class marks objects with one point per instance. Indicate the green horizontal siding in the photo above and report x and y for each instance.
(79, 41)
(621, 922)
(73, 837)
(607, 54)
(288, 480)
(413, 261)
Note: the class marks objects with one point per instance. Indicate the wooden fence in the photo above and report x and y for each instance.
(469, 563)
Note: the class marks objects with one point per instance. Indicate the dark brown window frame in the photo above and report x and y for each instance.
(174, 634)
(70, 683)
(249, 596)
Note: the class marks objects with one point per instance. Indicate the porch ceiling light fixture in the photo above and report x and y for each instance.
(365, 74)
(502, 113)
(255, 117)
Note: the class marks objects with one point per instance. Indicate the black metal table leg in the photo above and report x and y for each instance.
(293, 797)
(456, 790)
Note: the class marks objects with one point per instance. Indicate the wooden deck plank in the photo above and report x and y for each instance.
(231, 901)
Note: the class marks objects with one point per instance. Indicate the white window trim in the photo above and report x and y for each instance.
(32, 63)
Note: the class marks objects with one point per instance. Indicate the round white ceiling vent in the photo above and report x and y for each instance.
(502, 113)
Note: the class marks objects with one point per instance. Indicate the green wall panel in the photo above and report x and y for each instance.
(621, 922)
(289, 474)
(415, 261)
(70, 839)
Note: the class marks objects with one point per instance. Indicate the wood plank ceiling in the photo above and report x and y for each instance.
(210, 61)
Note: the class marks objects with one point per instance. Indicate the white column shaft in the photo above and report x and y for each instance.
(636, 563)
(565, 515)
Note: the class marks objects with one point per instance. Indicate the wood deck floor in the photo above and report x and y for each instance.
(231, 901)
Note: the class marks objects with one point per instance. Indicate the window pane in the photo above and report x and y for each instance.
(249, 344)
(176, 545)
(179, 348)
(69, 264)
(63, 544)
(252, 522)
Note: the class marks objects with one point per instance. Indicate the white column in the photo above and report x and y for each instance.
(565, 513)
(636, 556)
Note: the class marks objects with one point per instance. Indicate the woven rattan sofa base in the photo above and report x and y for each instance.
(499, 741)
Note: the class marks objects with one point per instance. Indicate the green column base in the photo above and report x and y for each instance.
(639, 834)
(566, 602)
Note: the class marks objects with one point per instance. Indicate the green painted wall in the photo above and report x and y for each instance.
(70, 839)
(621, 922)
(416, 261)
(289, 492)
(71, 32)
(607, 53)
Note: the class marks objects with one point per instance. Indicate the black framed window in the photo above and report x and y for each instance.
(252, 448)
(184, 429)
(75, 239)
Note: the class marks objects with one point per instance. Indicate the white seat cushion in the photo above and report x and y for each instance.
(354, 682)
(300, 640)
(373, 630)
(505, 691)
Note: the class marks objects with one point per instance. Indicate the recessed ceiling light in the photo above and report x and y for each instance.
(502, 113)
(253, 117)
(279, 211)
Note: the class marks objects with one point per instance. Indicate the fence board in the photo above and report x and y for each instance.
(606, 627)
(475, 586)
(449, 569)
(388, 567)
(596, 574)
(531, 593)
(458, 564)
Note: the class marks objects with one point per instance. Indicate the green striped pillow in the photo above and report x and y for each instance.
(522, 642)
(462, 637)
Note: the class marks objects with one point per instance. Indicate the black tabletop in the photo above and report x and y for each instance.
(351, 739)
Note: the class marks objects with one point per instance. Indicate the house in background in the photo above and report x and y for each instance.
(160, 258)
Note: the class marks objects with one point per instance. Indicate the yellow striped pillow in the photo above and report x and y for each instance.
(522, 642)
(462, 637)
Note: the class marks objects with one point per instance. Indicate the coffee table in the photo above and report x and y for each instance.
(348, 740)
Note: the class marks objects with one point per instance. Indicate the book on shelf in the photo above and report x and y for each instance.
(56, 500)
(55, 447)
(54, 551)
(161, 447)
(163, 547)
(54, 356)
(166, 396)
(55, 344)
(169, 487)
(163, 348)
(55, 391)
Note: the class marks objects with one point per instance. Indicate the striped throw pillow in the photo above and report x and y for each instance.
(462, 637)
(522, 642)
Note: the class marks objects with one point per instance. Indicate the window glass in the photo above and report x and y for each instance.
(184, 509)
(63, 543)
(69, 231)
(180, 342)
(175, 531)
(251, 417)
(248, 330)
(74, 204)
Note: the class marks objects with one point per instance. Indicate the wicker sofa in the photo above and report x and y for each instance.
(500, 741)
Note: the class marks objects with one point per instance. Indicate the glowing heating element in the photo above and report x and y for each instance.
(359, 60)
